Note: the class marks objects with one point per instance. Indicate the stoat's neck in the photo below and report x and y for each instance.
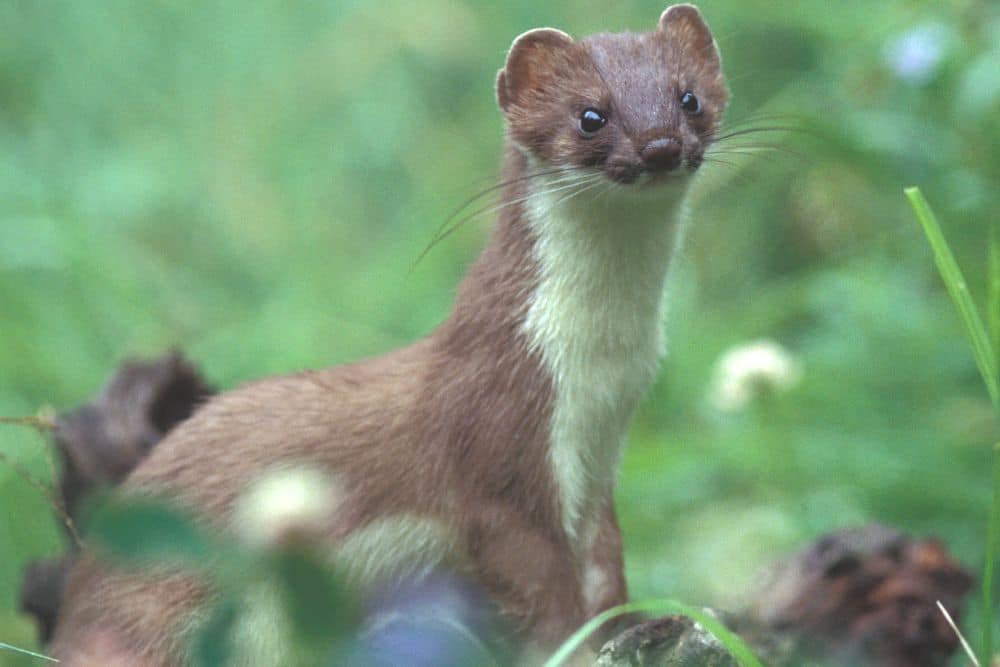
(556, 336)
(595, 316)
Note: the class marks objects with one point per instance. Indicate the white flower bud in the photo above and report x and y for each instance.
(748, 371)
(287, 506)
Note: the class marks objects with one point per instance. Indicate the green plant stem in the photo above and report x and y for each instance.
(41, 424)
(731, 641)
(993, 533)
(993, 314)
(959, 291)
(992, 537)
(986, 348)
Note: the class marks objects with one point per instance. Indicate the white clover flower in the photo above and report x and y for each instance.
(748, 371)
(286, 506)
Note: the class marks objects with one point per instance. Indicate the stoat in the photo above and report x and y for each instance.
(492, 445)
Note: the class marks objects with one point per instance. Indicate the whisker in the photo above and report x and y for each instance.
(609, 187)
(502, 184)
(583, 182)
(711, 159)
(736, 171)
(588, 186)
(756, 146)
(762, 118)
(443, 231)
(579, 180)
(755, 149)
(753, 130)
(570, 179)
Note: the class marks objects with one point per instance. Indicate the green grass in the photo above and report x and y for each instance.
(254, 185)
(979, 337)
(21, 651)
(983, 347)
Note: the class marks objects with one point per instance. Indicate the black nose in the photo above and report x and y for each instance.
(662, 154)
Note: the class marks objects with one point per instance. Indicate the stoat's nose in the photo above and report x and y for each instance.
(662, 154)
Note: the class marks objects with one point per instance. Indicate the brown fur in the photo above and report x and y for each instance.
(454, 427)
(636, 78)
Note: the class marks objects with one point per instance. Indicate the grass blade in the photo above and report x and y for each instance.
(24, 651)
(958, 633)
(959, 291)
(989, 568)
(993, 532)
(985, 347)
(993, 315)
(732, 642)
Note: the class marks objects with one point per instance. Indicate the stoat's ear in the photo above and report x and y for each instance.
(685, 25)
(533, 58)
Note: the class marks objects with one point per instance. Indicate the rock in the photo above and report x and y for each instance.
(671, 641)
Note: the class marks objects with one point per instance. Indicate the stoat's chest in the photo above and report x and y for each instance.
(595, 317)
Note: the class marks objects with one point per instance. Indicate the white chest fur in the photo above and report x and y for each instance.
(596, 318)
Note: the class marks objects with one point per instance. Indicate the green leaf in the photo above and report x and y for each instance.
(959, 291)
(994, 308)
(213, 643)
(732, 642)
(984, 347)
(992, 544)
(143, 530)
(318, 605)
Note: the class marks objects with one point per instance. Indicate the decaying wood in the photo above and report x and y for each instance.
(865, 596)
(860, 596)
(41, 591)
(100, 443)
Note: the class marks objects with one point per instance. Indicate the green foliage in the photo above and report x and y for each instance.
(993, 311)
(212, 645)
(253, 184)
(143, 530)
(321, 616)
(983, 349)
(319, 607)
(982, 345)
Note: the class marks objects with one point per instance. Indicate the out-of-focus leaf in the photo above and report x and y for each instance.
(318, 605)
(145, 530)
(213, 643)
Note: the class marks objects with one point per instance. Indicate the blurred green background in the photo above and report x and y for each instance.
(252, 182)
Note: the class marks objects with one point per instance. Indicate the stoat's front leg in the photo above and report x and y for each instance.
(603, 576)
(528, 573)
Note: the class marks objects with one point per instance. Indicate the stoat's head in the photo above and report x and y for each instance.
(626, 104)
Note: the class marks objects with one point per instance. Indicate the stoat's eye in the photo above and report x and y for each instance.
(690, 103)
(591, 122)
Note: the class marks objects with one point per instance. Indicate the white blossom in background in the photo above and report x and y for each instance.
(748, 371)
(916, 54)
(287, 506)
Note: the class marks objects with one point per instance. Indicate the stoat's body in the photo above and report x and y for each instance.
(491, 446)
